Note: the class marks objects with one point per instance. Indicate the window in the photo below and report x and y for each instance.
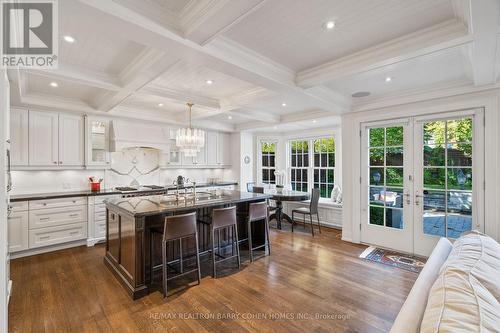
(268, 151)
(319, 173)
(324, 165)
(299, 165)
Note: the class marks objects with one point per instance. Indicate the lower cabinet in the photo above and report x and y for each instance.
(18, 230)
(39, 223)
(97, 219)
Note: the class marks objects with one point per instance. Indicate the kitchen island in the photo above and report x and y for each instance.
(129, 222)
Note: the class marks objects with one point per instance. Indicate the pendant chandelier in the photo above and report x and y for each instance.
(190, 140)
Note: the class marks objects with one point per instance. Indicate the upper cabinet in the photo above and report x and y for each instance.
(71, 140)
(223, 149)
(43, 138)
(46, 139)
(97, 142)
(19, 137)
(211, 143)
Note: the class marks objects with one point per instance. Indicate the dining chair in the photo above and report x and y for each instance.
(312, 210)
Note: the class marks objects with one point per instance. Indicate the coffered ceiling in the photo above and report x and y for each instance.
(261, 65)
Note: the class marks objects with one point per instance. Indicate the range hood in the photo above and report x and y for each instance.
(126, 134)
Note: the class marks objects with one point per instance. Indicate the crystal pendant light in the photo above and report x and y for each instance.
(190, 140)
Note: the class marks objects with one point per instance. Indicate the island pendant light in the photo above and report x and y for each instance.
(190, 140)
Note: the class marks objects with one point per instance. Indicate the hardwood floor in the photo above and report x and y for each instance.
(305, 277)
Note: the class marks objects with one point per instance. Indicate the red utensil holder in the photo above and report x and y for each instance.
(95, 186)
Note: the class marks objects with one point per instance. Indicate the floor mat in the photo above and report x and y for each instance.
(395, 259)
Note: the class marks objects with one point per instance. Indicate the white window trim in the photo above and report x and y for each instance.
(310, 169)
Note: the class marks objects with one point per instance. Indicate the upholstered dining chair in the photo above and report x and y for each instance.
(312, 210)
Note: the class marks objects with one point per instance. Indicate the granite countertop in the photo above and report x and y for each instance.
(88, 193)
(159, 204)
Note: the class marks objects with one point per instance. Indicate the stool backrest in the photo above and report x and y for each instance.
(250, 186)
(179, 226)
(258, 189)
(313, 208)
(222, 217)
(257, 211)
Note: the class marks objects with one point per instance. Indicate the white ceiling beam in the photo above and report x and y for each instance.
(220, 54)
(253, 114)
(146, 67)
(178, 96)
(299, 117)
(204, 20)
(485, 19)
(79, 75)
(442, 36)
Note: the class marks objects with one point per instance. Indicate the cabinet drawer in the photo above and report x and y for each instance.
(100, 229)
(55, 203)
(19, 206)
(57, 216)
(100, 216)
(57, 235)
(100, 199)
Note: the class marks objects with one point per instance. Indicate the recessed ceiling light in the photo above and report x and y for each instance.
(54, 84)
(229, 117)
(209, 82)
(330, 25)
(69, 39)
(361, 94)
(314, 120)
(283, 104)
(160, 104)
(275, 127)
(388, 79)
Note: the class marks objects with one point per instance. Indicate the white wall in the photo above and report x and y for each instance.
(351, 124)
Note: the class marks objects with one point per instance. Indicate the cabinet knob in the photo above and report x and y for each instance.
(60, 162)
(55, 162)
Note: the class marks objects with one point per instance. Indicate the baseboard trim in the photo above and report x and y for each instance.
(51, 248)
(94, 241)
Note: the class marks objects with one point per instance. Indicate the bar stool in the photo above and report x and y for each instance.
(224, 219)
(258, 212)
(270, 208)
(176, 228)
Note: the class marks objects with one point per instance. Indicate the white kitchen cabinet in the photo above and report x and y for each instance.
(223, 149)
(57, 235)
(43, 138)
(18, 231)
(97, 142)
(97, 218)
(50, 217)
(71, 140)
(19, 125)
(211, 151)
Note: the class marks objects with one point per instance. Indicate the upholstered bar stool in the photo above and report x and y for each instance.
(224, 219)
(175, 228)
(270, 208)
(257, 212)
(312, 210)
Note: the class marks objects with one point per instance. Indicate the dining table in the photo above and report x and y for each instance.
(280, 196)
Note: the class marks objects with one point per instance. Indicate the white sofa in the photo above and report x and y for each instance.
(458, 289)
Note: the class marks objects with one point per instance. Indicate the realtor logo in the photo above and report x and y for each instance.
(29, 34)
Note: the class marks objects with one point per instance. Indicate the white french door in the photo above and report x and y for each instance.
(422, 179)
(387, 189)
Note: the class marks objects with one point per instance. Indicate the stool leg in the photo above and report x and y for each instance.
(198, 259)
(212, 235)
(180, 255)
(152, 265)
(164, 266)
(250, 245)
(312, 227)
(267, 236)
(293, 220)
(237, 246)
(319, 224)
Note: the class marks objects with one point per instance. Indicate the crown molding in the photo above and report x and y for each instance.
(442, 36)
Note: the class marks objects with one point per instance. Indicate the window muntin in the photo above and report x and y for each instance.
(324, 165)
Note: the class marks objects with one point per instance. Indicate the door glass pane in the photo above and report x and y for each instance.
(386, 176)
(447, 177)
